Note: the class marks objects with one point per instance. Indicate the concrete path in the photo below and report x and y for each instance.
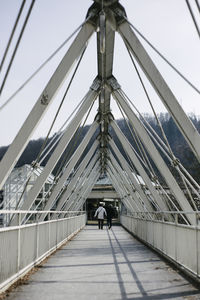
(105, 264)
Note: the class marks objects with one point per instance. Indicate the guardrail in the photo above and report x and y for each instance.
(177, 242)
(23, 247)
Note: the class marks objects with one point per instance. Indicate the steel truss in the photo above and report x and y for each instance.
(73, 185)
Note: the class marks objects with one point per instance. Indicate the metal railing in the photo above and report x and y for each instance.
(24, 246)
(177, 242)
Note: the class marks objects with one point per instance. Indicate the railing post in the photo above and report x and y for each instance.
(197, 241)
(175, 244)
(19, 242)
(56, 230)
(163, 224)
(37, 237)
(49, 234)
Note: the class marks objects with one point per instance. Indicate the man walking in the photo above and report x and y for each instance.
(100, 213)
(110, 215)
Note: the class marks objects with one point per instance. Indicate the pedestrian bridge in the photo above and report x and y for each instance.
(100, 263)
(44, 208)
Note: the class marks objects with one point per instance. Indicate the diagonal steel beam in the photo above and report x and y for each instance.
(128, 193)
(94, 163)
(73, 160)
(167, 97)
(82, 167)
(21, 140)
(155, 155)
(129, 150)
(132, 177)
(64, 141)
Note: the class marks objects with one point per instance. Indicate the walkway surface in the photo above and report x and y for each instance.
(104, 264)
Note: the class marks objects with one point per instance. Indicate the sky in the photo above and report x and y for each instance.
(167, 24)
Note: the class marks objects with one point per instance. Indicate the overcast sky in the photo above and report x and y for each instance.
(166, 23)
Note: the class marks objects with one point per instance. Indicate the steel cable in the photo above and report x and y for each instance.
(41, 66)
(162, 56)
(193, 17)
(198, 6)
(12, 34)
(16, 46)
(35, 164)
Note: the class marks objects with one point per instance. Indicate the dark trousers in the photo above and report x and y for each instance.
(100, 223)
(109, 222)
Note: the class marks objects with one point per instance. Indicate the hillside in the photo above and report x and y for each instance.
(176, 141)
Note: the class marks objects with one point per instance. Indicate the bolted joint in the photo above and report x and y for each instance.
(175, 162)
(120, 14)
(45, 99)
(96, 84)
(113, 83)
(154, 178)
(35, 164)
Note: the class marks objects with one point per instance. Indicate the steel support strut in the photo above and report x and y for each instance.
(74, 159)
(21, 140)
(64, 141)
(77, 177)
(167, 97)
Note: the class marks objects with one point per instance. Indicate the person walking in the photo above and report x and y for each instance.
(110, 215)
(100, 213)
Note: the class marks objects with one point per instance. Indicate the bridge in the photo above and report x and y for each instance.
(44, 212)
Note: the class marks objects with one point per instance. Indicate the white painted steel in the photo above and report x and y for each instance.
(130, 151)
(75, 194)
(169, 100)
(127, 183)
(22, 247)
(127, 189)
(178, 242)
(64, 202)
(29, 126)
(156, 157)
(86, 188)
(64, 141)
(131, 176)
(73, 160)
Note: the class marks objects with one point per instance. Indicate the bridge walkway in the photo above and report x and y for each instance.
(105, 264)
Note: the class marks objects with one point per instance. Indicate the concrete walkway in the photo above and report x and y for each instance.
(104, 264)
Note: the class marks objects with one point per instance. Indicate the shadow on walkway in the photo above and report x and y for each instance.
(105, 264)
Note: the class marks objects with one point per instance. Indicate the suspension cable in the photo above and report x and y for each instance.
(193, 16)
(138, 143)
(35, 164)
(12, 34)
(16, 46)
(59, 108)
(150, 102)
(140, 147)
(58, 134)
(160, 186)
(162, 56)
(42, 65)
(172, 160)
(161, 129)
(68, 155)
(73, 146)
(198, 6)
